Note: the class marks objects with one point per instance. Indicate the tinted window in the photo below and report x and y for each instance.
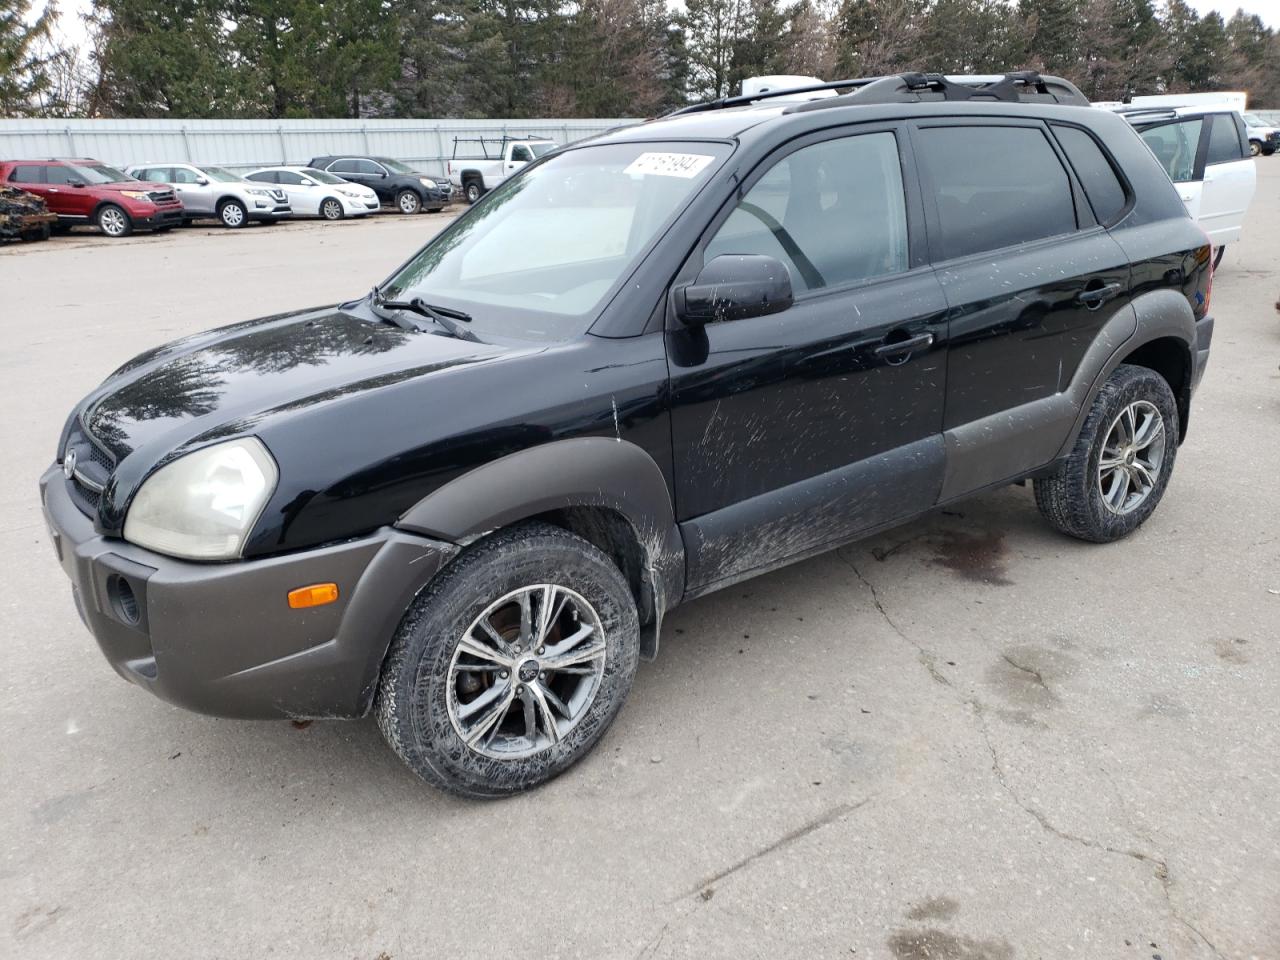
(521, 153)
(368, 166)
(156, 174)
(263, 176)
(995, 187)
(288, 176)
(1175, 145)
(1101, 183)
(1224, 140)
(28, 174)
(183, 175)
(62, 175)
(343, 166)
(833, 212)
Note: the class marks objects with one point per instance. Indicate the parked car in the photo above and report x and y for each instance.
(208, 191)
(394, 182)
(1205, 151)
(480, 164)
(1264, 138)
(23, 216)
(88, 191)
(746, 335)
(317, 193)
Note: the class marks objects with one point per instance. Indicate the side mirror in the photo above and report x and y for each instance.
(202, 181)
(79, 183)
(735, 286)
(383, 174)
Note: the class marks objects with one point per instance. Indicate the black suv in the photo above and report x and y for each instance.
(393, 181)
(465, 500)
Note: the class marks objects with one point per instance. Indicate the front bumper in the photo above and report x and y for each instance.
(276, 211)
(220, 638)
(159, 217)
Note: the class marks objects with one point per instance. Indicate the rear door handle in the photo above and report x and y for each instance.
(899, 347)
(1096, 298)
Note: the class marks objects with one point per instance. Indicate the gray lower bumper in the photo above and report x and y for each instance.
(1204, 339)
(221, 638)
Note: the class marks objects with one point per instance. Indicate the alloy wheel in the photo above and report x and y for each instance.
(409, 202)
(526, 671)
(114, 223)
(1132, 456)
(331, 210)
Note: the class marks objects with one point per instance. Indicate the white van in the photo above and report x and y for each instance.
(1205, 150)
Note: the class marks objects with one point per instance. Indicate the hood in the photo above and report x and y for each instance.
(227, 382)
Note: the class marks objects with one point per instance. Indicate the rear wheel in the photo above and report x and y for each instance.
(1120, 465)
(331, 209)
(511, 665)
(232, 214)
(114, 222)
(474, 190)
(408, 202)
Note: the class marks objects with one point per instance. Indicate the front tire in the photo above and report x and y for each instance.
(114, 222)
(1121, 462)
(510, 666)
(331, 209)
(232, 214)
(408, 202)
(1255, 148)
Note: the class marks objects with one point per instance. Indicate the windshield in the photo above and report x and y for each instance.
(99, 173)
(1253, 121)
(395, 166)
(321, 176)
(217, 173)
(538, 257)
(542, 149)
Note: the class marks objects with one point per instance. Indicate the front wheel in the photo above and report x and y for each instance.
(232, 214)
(1217, 259)
(511, 665)
(408, 202)
(331, 209)
(1120, 465)
(1255, 148)
(114, 222)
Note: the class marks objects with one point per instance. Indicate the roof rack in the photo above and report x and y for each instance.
(1023, 86)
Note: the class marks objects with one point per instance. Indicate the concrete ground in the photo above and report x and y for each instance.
(966, 739)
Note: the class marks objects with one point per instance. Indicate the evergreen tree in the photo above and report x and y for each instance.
(1053, 43)
(761, 47)
(875, 37)
(712, 29)
(28, 62)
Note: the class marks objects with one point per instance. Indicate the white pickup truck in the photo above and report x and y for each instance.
(480, 164)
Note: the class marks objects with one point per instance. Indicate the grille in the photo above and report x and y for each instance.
(162, 196)
(92, 470)
(279, 195)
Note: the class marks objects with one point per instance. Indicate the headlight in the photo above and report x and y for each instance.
(426, 181)
(257, 192)
(203, 505)
(349, 193)
(135, 194)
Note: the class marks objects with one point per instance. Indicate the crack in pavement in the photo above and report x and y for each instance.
(835, 813)
(1160, 865)
(927, 659)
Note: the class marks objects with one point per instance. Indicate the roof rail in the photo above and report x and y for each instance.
(1023, 86)
(741, 101)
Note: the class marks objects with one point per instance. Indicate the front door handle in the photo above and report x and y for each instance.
(1096, 298)
(897, 348)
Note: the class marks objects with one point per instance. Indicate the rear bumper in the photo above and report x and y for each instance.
(1204, 339)
(221, 638)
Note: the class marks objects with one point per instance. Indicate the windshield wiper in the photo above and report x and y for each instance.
(442, 316)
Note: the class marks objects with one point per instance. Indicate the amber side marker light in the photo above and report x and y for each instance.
(314, 595)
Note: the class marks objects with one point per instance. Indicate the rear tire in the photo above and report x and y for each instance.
(232, 214)
(114, 222)
(474, 190)
(519, 676)
(1121, 462)
(1217, 260)
(408, 202)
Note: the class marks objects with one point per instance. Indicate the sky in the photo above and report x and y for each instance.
(1269, 10)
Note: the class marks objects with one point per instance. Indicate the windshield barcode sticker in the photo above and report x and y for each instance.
(686, 165)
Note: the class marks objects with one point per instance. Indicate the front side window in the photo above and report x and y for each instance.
(185, 175)
(540, 256)
(61, 175)
(833, 212)
(995, 187)
(1224, 140)
(1175, 146)
(521, 154)
(343, 166)
(369, 167)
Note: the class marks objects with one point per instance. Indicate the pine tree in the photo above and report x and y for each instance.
(712, 29)
(27, 61)
(875, 37)
(761, 47)
(1054, 27)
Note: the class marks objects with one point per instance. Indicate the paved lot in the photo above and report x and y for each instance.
(967, 739)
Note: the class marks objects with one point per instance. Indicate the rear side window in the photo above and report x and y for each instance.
(996, 187)
(1224, 140)
(288, 177)
(833, 212)
(1101, 182)
(1175, 146)
(27, 174)
(262, 176)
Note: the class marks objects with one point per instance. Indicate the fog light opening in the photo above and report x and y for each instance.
(123, 600)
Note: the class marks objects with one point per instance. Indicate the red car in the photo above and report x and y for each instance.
(89, 191)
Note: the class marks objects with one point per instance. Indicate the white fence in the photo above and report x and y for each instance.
(424, 144)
